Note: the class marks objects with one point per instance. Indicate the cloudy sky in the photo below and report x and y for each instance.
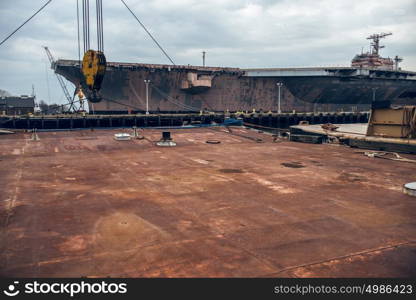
(235, 33)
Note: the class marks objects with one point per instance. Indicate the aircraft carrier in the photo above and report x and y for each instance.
(185, 88)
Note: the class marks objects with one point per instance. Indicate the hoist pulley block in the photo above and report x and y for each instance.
(93, 69)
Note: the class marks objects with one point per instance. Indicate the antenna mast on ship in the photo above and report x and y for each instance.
(397, 60)
(375, 45)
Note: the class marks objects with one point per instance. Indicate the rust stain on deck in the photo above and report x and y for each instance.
(80, 203)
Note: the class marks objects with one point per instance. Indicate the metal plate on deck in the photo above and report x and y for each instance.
(410, 188)
(122, 137)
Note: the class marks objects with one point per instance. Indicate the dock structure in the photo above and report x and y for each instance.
(272, 120)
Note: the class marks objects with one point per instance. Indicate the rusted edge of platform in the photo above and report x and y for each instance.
(359, 140)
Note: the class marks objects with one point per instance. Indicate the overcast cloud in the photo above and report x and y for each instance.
(234, 33)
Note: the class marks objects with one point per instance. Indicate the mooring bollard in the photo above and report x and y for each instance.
(35, 136)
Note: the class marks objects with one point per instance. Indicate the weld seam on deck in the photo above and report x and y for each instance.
(343, 257)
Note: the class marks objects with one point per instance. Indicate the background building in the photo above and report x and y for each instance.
(17, 105)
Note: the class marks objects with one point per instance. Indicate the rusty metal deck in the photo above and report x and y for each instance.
(82, 204)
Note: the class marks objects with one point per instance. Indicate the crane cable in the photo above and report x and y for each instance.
(100, 31)
(61, 105)
(38, 11)
(174, 101)
(165, 97)
(86, 24)
(79, 43)
(147, 31)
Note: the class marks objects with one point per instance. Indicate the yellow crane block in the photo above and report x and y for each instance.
(93, 69)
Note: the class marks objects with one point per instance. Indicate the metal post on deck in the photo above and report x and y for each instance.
(279, 85)
(146, 82)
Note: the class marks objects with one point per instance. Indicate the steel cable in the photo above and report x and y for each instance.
(174, 101)
(100, 32)
(88, 24)
(147, 31)
(124, 104)
(79, 43)
(38, 11)
(102, 26)
(83, 25)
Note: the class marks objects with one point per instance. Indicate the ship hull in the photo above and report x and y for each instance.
(188, 88)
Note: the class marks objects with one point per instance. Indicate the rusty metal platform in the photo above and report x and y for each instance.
(80, 203)
(355, 136)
